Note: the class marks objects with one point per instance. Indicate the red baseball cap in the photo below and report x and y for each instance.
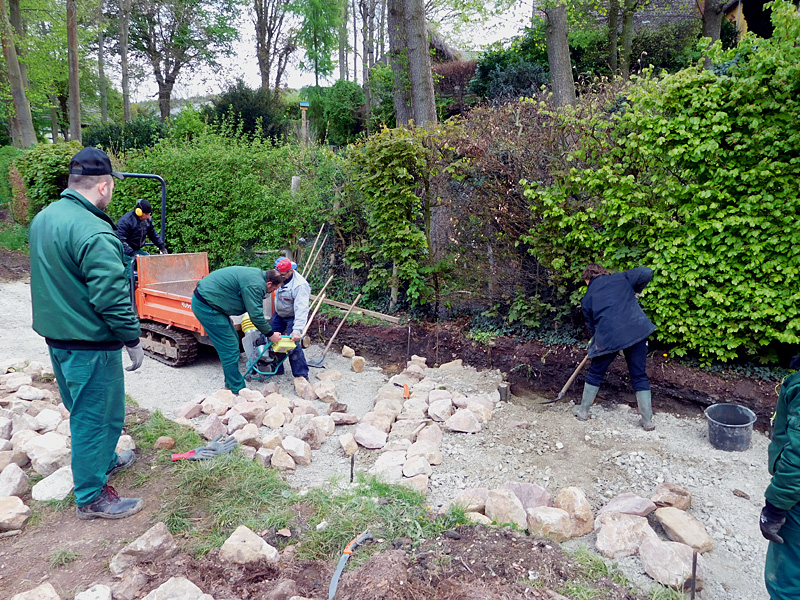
(284, 265)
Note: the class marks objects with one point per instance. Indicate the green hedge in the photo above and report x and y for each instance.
(44, 169)
(7, 155)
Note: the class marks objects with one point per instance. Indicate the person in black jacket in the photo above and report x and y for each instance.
(617, 322)
(133, 230)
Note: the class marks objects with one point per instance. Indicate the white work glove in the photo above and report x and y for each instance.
(136, 354)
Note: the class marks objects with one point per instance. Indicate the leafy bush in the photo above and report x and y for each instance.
(694, 174)
(671, 46)
(44, 170)
(336, 113)
(140, 132)
(259, 111)
(7, 156)
(381, 112)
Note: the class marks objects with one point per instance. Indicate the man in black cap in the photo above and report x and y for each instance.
(133, 230)
(82, 308)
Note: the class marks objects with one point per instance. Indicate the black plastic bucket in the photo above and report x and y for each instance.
(730, 426)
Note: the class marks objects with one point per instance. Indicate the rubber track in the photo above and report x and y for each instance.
(187, 344)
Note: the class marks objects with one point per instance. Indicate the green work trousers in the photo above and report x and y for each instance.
(92, 387)
(782, 567)
(219, 328)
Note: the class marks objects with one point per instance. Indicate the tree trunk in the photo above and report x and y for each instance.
(398, 56)
(381, 32)
(713, 11)
(54, 116)
(164, 97)
(558, 55)
(613, 36)
(629, 8)
(124, 24)
(74, 82)
(15, 16)
(26, 135)
(423, 99)
(394, 287)
(355, 41)
(343, 35)
(102, 76)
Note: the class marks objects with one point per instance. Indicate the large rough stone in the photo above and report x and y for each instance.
(17, 457)
(426, 449)
(125, 442)
(348, 443)
(13, 481)
(6, 427)
(245, 547)
(389, 466)
(216, 406)
(621, 534)
(235, 422)
(46, 591)
(370, 436)
(13, 513)
(271, 440)
(56, 486)
(96, 592)
(480, 411)
(417, 482)
(330, 375)
(23, 422)
(550, 522)
(275, 417)
(251, 395)
(530, 494)
(248, 436)
(472, 499)
(670, 494)
(20, 439)
(463, 421)
(420, 361)
(211, 427)
(226, 395)
(379, 420)
(190, 410)
(30, 393)
(348, 352)
(281, 460)
(252, 411)
(326, 391)
(337, 407)
(670, 563)
(263, 456)
(417, 465)
(312, 436)
(503, 506)
(343, 418)
(440, 410)
(358, 363)
(48, 419)
(299, 450)
(325, 423)
(431, 433)
(453, 365)
(14, 381)
(130, 585)
(477, 518)
(156, 543)
(574, 501)
(439, 395)
(630, 504)
(48, 453)
(682, 527)
(178, 588)
(304, 389)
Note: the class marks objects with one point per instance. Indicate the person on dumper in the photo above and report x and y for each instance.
(617, 322)
(82, 308)
(233, 291)
(780, 517)
(133, 229)
(290, 313)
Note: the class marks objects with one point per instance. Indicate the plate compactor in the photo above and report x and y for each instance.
(264, 358)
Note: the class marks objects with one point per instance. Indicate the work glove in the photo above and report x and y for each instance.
(771, 521)
(136, 354)
(219, 445)
(163, 251)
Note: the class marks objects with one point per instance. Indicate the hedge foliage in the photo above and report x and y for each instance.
(7, 156)
(694, 174)
(44, 170)
(114, 138)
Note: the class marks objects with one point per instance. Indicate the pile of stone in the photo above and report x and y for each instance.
(622, 526)
(408, 430)
(273, 429)
(243, 547)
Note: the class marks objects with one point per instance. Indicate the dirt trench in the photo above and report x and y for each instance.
(533, 367)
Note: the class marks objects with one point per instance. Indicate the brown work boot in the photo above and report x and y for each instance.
(108, 505)
(124, 460)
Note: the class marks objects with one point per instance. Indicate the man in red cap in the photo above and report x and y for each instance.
(291, 312)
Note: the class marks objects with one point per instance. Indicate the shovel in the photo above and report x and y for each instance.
(320, 363)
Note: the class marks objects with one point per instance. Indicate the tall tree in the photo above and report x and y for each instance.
(344, 45)
(124, 38)
(177, 36)
(318, 34)
(558, 57)
(626, 39)
(613, 36)
(74, 73)
(423, 99)
(398, 58)
(275, 40)
(101, 73)
(25, 133)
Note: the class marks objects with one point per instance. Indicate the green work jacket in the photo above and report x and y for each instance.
(235, 291)
(784, 450)
(79, 291)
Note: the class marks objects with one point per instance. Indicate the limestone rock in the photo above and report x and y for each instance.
(439, 395)
(164, 442)
(337, 407)
(530, 494)
(299, 450)
(63, 429)
(245, 547)
(343, 418)
(453, 365)
(417, 482)
(417, 465)
(370, 436)
(178, 588)
(682, 527)
(251, 395)
(96, 592)
(397, 444)
(430, 433)
(13, 513)
(248, 436)
(472, 500)
(275, 417)
(251, 411)
(418, 360)
(478, 518)
(263, 456)
(426, 449)
(402, 379)
(211, 427)
(348, 352)
(20, 439)
(379, 420)
(502, 506)
(574, 501)
(14, 381)
(326, 391)
(156, 543)
(190, 410)
(670, 563)
(330, 375)
(46, 591)
(669, 494)
(248, 452)
(480, 411)
(325, 424)
(621, 534)
(312, 436)
(463, 421)
(236, 422)
(358, 363)
(130, 585)
(5, 428)
(56, 486)
(125, 442)
(630, 504)
(551, 522)
(440, 410)
(271, 387)
(216, 406)
(13, 481)
(282, 461)
(17, 457)
(48, 453)
(304, 389)
(23, 422)
(47, 420)
(284, 589)
(271, 441)
(225, 396)
(348, 443)
(389, 466)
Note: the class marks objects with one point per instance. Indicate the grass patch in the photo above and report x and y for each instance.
(14, 237)
(62, 557)
(664, 593)
(158, 425)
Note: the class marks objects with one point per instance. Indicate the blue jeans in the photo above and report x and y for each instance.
(297, 359)
(635, 356)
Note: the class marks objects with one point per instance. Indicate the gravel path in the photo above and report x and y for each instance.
(524, 441)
